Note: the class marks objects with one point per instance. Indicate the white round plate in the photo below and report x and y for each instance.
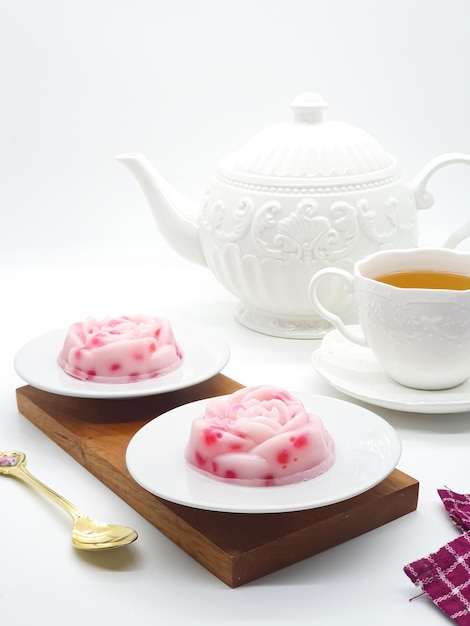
(367, 451)
(354, 371)
(205, 355)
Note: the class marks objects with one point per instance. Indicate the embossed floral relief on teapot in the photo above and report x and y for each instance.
(300, 196)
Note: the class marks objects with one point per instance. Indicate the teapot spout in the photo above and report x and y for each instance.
(170, 209)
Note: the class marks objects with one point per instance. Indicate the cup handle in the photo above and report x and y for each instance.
(355, 335)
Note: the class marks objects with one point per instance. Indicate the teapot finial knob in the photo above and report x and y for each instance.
(308, 107)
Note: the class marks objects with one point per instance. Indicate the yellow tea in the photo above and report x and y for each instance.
(426, 279)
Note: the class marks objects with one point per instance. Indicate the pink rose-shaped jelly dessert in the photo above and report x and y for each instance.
(259, 436)
(120, 350)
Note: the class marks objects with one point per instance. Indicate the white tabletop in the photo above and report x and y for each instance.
(186, 82)
(151, 577)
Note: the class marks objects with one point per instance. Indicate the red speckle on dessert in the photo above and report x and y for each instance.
(91, 373)
(200, 460)
(152, 347)
(211, 436)
(215, 467)
(301, 441)
(230, 474)
(235, 446)
(283, 457)
(78, 355)
(138, 356)
(115, 367)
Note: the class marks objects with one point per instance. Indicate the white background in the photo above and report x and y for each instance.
(186, 82)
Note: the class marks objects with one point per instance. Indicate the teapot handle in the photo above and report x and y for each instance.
(425, 199)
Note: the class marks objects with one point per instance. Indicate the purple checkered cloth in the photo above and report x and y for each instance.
(458, 506)
(444, 576)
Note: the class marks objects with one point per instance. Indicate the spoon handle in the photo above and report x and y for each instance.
(14, 464)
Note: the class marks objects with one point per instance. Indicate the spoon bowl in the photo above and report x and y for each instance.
(87, 534)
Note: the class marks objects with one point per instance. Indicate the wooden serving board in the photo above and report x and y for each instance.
(237, 548)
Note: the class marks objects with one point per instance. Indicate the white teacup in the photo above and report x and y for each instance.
(419, 335)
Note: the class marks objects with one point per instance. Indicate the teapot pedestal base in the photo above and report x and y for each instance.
(286, 326)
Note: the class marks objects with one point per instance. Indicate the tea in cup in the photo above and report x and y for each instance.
(414, 313)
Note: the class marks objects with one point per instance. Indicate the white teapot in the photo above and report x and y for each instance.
(299, 197)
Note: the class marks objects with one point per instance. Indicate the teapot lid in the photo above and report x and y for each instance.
(309, 147)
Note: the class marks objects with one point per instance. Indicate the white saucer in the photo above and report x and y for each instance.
(354, 371)
(205, 355)
(367, 451)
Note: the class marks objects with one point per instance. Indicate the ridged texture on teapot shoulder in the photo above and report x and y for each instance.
(327, 150)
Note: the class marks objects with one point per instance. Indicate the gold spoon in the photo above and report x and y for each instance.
(87, 534)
